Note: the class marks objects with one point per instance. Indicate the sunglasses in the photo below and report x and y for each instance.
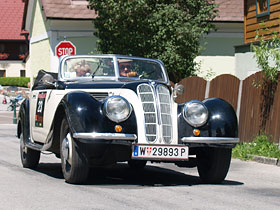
(125, 66)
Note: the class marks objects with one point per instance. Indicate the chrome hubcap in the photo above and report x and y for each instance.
(65, 148)
(22, 145)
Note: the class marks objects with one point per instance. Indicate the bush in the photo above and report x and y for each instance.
(14, 81)
(261, 146)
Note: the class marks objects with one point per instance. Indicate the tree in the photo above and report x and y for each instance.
(169, 30)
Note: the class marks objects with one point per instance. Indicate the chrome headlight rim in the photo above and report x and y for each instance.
(188, 106)
(108, 114)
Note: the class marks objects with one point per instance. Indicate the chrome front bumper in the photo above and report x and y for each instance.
(210, 140)
(105, 136)
(133, 137)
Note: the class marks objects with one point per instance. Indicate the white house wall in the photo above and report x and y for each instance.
(212, 66)
(40, 56)
(13, 68)
(39, 25)
(245, 65)
(39, 47)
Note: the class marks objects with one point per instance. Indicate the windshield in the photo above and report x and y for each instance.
(88, 67)
(111, 67)
(143, 69)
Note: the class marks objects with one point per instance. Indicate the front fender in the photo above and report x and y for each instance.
(84, 114)
(222, 120)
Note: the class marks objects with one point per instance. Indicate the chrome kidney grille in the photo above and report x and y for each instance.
(156, 105)
(165, 112)
(146, 95)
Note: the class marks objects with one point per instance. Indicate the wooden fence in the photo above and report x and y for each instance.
(245, 98)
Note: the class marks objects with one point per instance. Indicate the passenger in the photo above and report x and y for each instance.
(125, 69)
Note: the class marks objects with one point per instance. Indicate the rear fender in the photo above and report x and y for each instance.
(23, 125)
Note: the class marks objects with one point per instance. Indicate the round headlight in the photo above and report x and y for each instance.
(117, 108)
(195, 113)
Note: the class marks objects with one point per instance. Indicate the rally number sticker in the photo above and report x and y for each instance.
(39, 116)
(160, 152)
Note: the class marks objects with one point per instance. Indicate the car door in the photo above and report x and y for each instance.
(37, 113)
(43, 105)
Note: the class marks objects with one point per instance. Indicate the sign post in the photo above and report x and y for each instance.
(65, 48)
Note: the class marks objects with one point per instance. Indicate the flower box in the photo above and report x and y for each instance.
(4, 56)
(21, 56)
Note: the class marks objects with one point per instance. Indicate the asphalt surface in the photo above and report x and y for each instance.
(249, 185)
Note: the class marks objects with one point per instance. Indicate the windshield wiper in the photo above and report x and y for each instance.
(97, 68)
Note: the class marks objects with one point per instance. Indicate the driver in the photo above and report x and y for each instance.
(125, 68)
(82, 69)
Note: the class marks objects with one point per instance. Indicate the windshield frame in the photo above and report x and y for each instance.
(117, 76)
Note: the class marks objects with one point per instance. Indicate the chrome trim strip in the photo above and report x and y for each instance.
(210, 140)
(106, 136)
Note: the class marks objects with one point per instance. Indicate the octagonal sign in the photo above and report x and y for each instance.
(65, 48)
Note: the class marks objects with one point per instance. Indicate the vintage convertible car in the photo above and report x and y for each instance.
(102, 109)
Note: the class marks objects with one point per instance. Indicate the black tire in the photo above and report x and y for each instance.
(73, 162)
(213, 164)
(29, 157)
(137, 164)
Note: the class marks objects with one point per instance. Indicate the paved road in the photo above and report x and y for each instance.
(6, 117)
(249, 185)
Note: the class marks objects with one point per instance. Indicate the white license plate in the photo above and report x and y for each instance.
(148, 151)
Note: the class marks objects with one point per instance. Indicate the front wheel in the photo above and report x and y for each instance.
(213, 164)
(29, 157)
(73, 162)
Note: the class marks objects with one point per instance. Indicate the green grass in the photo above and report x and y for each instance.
(261, 146)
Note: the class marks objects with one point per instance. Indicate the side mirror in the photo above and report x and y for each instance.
(178, 90)
(48, 80)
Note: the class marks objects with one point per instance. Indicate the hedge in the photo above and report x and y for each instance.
(14, 81)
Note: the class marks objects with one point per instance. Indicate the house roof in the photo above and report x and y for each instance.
(67, 9)
(230, 10)
(11, 14)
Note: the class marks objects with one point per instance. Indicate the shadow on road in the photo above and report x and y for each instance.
(50, 169)
(121, 174)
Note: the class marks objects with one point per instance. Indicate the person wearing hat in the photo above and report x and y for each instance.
(125, 68)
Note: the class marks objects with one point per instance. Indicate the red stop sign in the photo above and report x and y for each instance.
(65, 48)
